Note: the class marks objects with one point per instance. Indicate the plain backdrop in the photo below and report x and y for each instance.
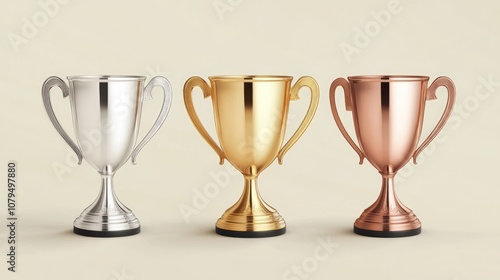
(320, 189)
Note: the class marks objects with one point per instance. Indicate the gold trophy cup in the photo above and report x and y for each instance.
(250, 115)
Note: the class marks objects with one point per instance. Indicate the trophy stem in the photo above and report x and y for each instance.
(387, 217)
(250, 198)
(250, 216)
(106, 216)
(110, 203)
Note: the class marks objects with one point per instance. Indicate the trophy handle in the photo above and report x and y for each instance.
(431, 95)
(167, 101)
(348, 106)
(190, 84)
(47, 85)
(309, 82)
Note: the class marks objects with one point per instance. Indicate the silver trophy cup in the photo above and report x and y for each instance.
(106, 115)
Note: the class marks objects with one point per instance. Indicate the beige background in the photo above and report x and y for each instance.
(320, 189)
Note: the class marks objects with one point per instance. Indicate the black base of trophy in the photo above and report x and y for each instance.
(116, 233)
(250, 234)
(388, 234)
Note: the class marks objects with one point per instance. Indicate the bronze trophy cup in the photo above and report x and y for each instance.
(388, 112)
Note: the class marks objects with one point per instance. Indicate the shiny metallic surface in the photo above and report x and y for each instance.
(250, 115)
(106, 116)
(388, 113)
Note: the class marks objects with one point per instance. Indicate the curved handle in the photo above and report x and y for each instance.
(190, 84)
(47, 85)
(431, 95)
(309, 82)
(348, 106)
(167, 102)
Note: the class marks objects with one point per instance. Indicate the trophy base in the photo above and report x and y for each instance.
(117, 233)
(251, 226)
(387, 216)
(387, 234)
(261, 221)
(116, 224)
(400, 222)
(250, 234)
(107, 216)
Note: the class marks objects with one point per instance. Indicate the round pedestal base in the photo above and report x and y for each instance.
(251, 225)
(108, 223)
